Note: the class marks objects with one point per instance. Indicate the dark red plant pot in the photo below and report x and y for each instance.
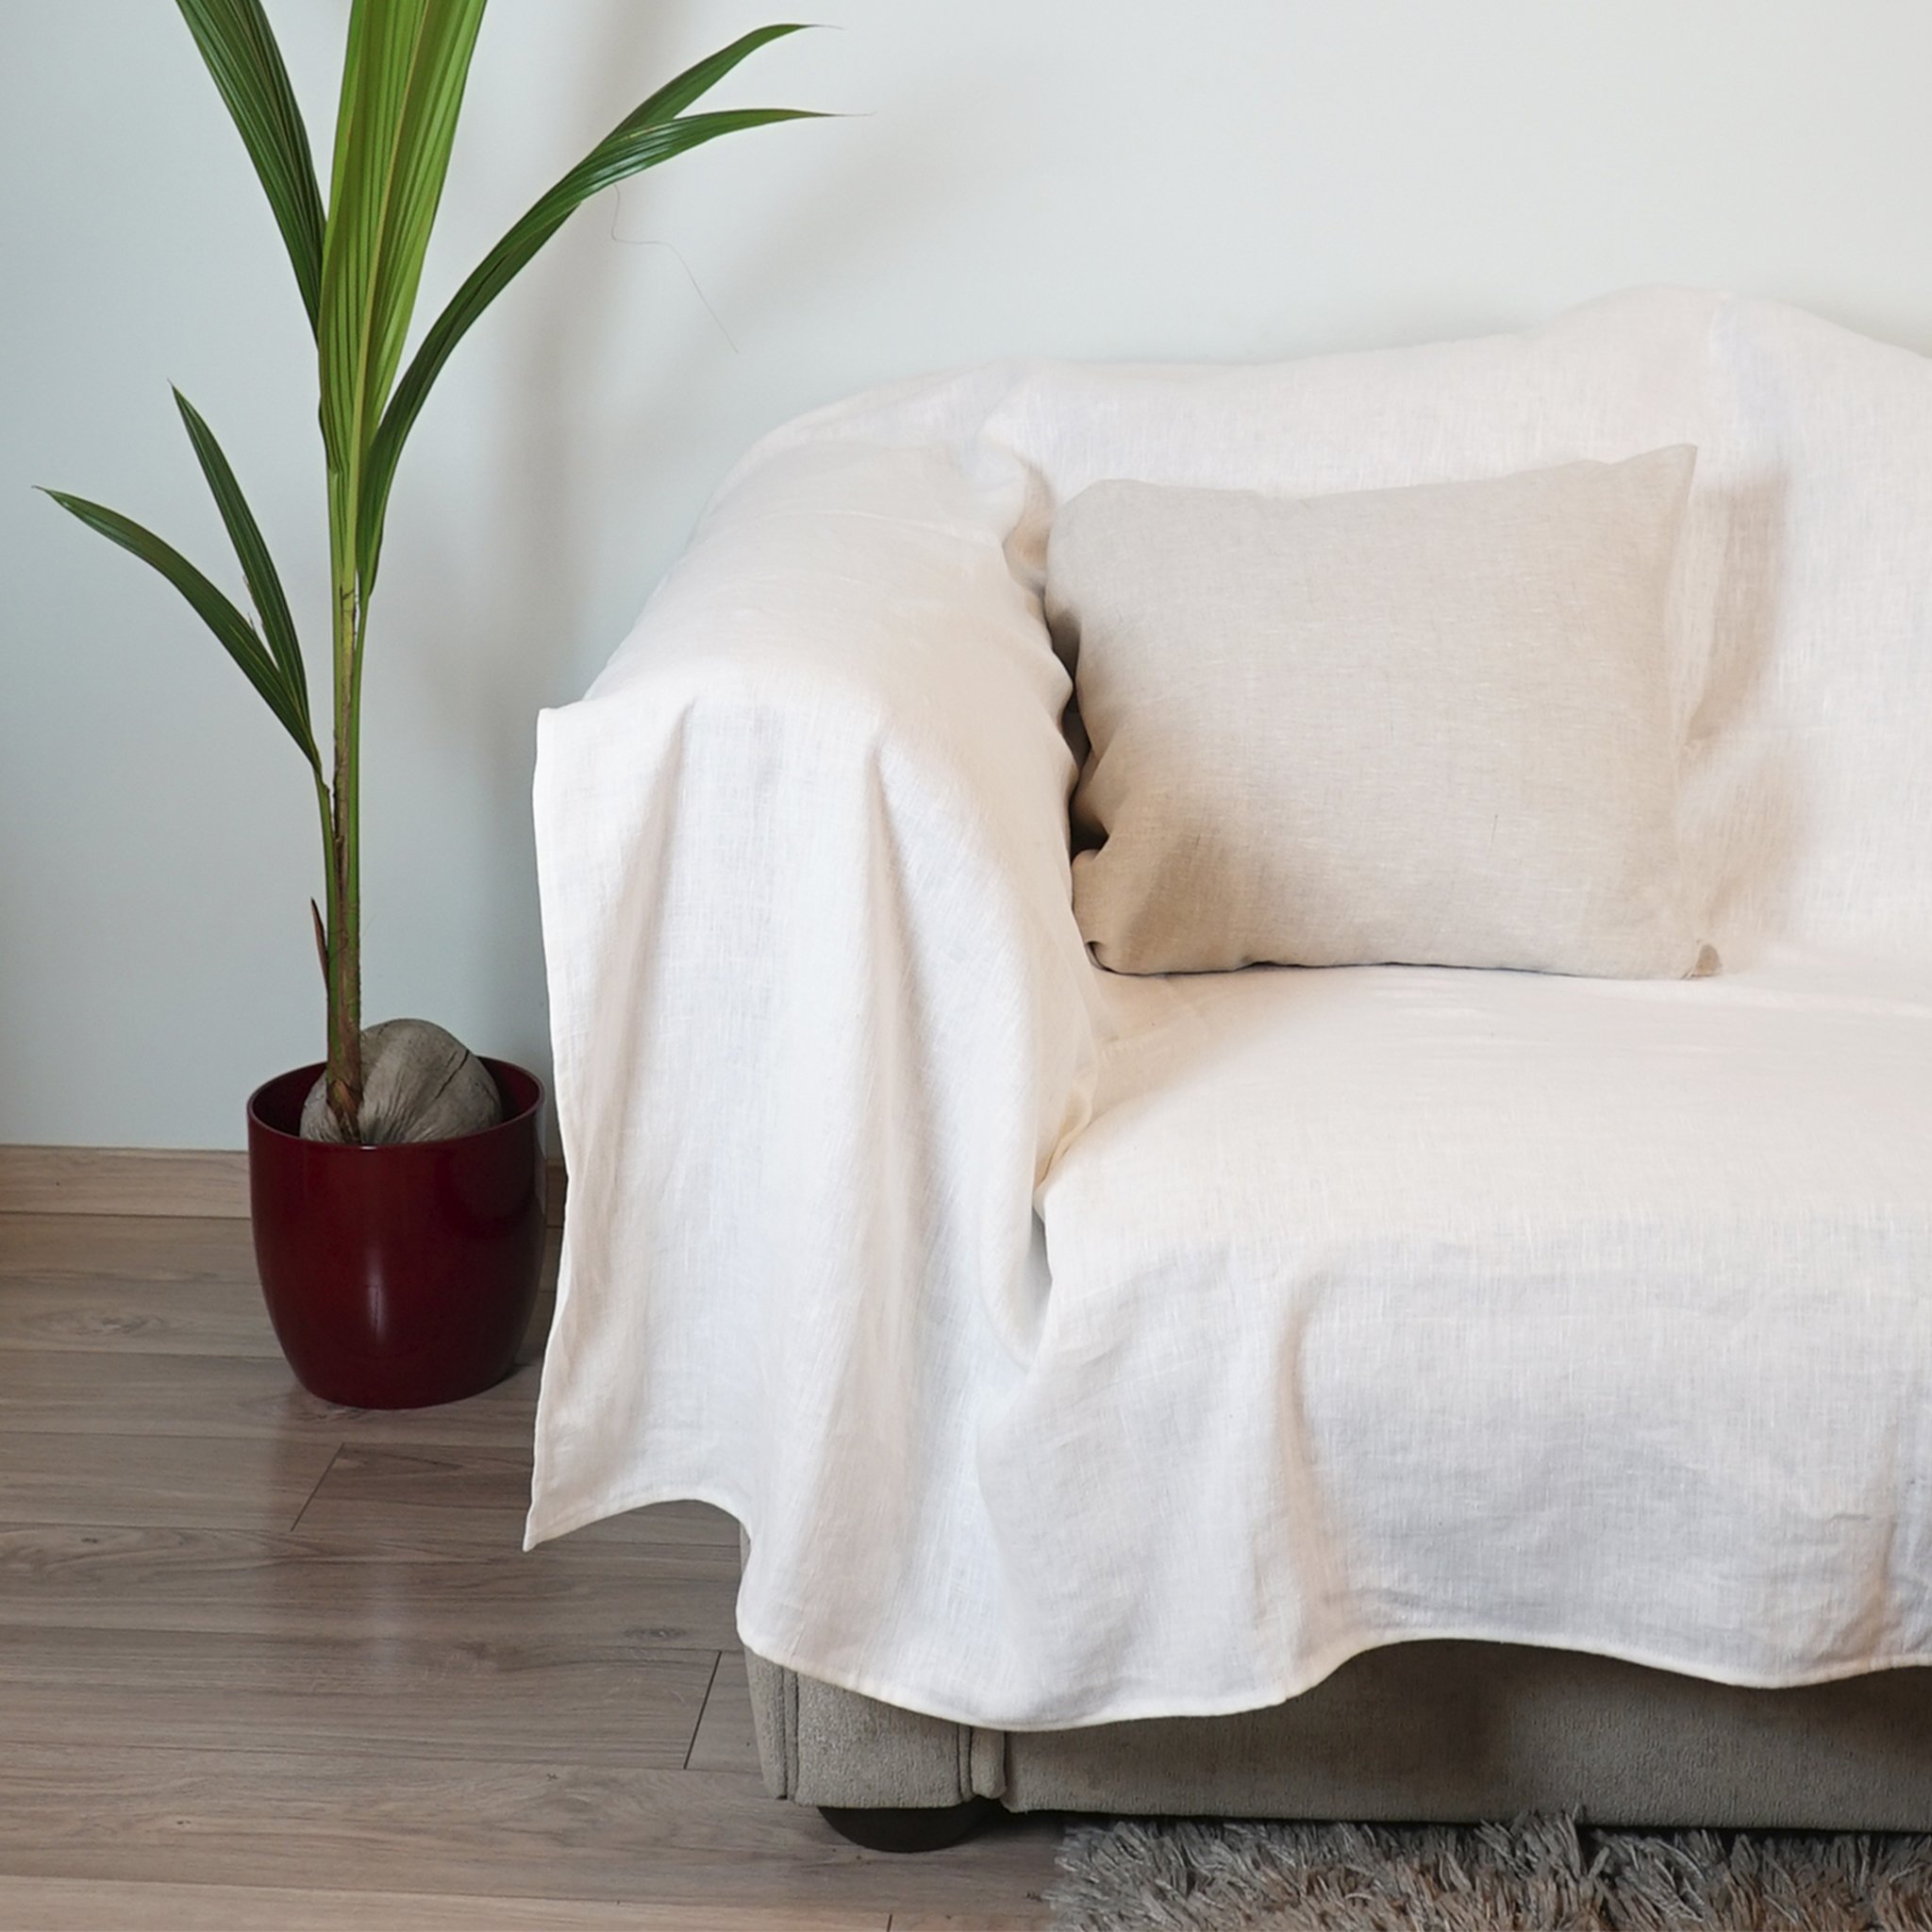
(398, 1276)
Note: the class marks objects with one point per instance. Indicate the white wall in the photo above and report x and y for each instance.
(1239, 179)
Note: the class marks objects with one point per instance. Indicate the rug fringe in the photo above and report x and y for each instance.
(1537, 1873)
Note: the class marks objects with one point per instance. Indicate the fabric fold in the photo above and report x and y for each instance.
(1073, 1354)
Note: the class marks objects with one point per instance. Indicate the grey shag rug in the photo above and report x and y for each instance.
(1538, 1875)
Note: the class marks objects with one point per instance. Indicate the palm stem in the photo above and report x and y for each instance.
(331, 919)
(344, 1071)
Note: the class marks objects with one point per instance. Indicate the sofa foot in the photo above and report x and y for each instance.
(912, 1829)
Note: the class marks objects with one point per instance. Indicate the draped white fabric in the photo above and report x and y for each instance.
(1077, 1349)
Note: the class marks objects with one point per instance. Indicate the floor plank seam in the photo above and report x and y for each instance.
(336, 1457)
(704, 1705)
(394, 1717)
(82, 1743)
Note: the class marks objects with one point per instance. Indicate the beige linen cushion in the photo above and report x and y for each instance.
(1428, 724)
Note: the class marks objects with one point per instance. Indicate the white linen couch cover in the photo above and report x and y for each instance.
(1077, 1349)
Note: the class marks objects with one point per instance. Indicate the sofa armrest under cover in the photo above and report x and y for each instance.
(820, 1015)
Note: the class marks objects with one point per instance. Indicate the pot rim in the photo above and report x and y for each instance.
(308, 1073)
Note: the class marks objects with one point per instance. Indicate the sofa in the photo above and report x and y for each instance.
(1376, 1390)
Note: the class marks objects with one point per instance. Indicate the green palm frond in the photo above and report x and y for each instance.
(629, 150)
(410, 61)
(258, 567)
(240, 50)
(233, 631)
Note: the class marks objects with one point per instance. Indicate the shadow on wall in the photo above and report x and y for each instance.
(896, 171)
(503, 644)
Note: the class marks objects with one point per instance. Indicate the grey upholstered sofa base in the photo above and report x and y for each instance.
(1416, 1731)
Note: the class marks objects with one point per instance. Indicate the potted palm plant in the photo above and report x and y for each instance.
(396, 1187)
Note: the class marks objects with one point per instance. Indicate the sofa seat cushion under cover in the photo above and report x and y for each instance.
(1396, 1302)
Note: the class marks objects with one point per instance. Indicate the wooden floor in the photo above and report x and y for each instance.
(273, 1665)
